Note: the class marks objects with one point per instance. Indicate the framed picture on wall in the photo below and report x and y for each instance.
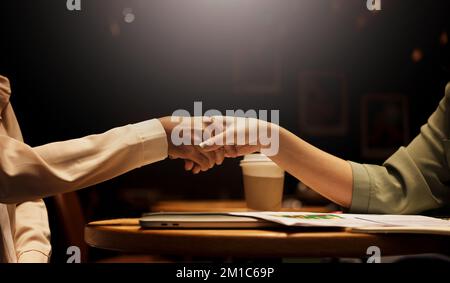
(257, 67)
(323, 103)
(385, 121)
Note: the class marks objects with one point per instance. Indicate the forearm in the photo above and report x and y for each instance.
(328, 175)
(31, 173)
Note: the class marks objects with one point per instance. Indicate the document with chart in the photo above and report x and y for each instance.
(371, 223)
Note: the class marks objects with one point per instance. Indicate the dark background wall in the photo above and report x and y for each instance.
(75, 73)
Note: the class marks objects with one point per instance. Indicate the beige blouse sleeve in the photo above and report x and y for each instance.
(32, 233)
(28, 173)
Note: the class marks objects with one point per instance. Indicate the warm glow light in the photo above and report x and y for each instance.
(417, 55)
(361, 22)
(114, 29)
(443, 38)
(128, 15)
(129, 18)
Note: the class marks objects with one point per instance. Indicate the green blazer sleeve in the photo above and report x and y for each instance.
(415, 178)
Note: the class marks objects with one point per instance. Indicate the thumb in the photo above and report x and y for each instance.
(213, 143)
(188, 165)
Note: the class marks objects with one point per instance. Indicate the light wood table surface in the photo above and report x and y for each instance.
(125, 235)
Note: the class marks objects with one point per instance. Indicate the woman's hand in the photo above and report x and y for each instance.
(328, 175)
(238, 136)
(195, 159)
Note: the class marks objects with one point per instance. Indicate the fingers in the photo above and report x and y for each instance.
(220, 156)
(188, 165)
(196, 169)
(234, 130)
(212, 151)
(211, 156)
(201, 160)
(213, 143)
(214, 158)
(248, 150)
(206, 159)
(231, 151)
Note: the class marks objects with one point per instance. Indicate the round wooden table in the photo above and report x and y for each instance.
(125, 235)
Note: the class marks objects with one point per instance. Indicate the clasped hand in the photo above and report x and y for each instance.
(203, 142)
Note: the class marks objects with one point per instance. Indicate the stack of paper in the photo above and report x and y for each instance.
(369, 223)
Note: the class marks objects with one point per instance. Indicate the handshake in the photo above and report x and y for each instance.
(203, 142)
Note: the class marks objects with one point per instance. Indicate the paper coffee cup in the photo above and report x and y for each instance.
(263, 183)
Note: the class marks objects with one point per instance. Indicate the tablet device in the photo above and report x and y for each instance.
(180, 220)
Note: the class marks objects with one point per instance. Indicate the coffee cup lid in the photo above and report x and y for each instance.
(259, 165)
(257, 157)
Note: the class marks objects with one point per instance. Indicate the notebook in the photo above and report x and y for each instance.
(361, 223)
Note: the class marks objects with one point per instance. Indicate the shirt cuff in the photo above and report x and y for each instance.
(32, 256)
(153, 140)
(361, 189)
